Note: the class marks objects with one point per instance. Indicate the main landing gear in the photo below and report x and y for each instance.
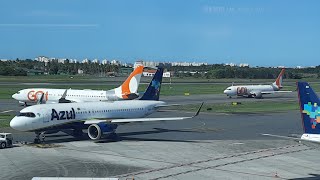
(40, 137)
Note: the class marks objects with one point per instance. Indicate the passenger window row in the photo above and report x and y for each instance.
(117, 110)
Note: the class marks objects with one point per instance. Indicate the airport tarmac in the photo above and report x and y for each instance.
(210, 146)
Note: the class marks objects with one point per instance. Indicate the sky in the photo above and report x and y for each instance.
(257, 32)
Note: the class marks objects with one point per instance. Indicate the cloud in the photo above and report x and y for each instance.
(52, 25)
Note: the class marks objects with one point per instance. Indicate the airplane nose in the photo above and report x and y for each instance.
(14, 96)
(16, 124)
(225, 91)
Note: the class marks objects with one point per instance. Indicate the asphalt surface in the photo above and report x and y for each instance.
(210, 146)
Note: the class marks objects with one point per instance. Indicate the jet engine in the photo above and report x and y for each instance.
(97, 131)
(257, 95)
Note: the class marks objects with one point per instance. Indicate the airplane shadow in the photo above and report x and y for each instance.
(120, 137)
(314, 177)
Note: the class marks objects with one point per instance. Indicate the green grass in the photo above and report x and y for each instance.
(5, 120)
(6, 91)
(213, 86)
(166, 89)
(244, 107)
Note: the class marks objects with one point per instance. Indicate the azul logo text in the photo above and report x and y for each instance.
(62, 115)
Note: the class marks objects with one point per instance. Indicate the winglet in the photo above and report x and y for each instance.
(63, 97)
(198, 112)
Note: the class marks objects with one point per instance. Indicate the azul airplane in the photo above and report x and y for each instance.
(128, 90)
(310, 114)
(256, 91)
(100, 118)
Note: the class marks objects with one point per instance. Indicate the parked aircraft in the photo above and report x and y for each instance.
(310, 114)
(100, 118)
(256, 91)
(128, 90)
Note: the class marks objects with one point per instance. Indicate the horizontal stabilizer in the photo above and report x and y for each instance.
(283, 137)
(306, 142)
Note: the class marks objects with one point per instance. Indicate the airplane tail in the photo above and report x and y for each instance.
(153, 90)
(129, 87)
(310, 111)
(278, 83)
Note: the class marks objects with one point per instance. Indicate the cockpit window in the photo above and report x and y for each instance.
(229, 89)
(18, 92)
(27, 114)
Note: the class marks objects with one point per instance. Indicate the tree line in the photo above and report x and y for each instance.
(215, 71)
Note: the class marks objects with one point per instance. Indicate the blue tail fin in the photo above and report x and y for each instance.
(153, 90)
(309, 108)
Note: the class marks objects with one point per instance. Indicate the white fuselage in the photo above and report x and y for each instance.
(44, 116)
(248, 90)
(311, 137)
(53, 95)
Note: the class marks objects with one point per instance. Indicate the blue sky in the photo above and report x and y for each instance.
(263, 33)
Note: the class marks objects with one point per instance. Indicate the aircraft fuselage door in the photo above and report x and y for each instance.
(44, 116)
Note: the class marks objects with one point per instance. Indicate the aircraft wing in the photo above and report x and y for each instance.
(129, 120)
(273, 92)
(309, 143)
(167, 105)
(149, 119)
(115, 121)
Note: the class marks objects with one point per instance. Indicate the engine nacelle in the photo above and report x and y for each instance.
(97, 131)
(257, 95)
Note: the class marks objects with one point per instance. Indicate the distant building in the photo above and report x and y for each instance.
(80, 71)
(62, 61)
(115, 62)
(150, 63)
(231, 64)
(243, 65)
(188, 63)
(150, 73)
(127, 64)
(137, 63)
(95, 61)
(42, 59)
(104, 62)
(281, 67)
(85, 61)
(73, 61)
